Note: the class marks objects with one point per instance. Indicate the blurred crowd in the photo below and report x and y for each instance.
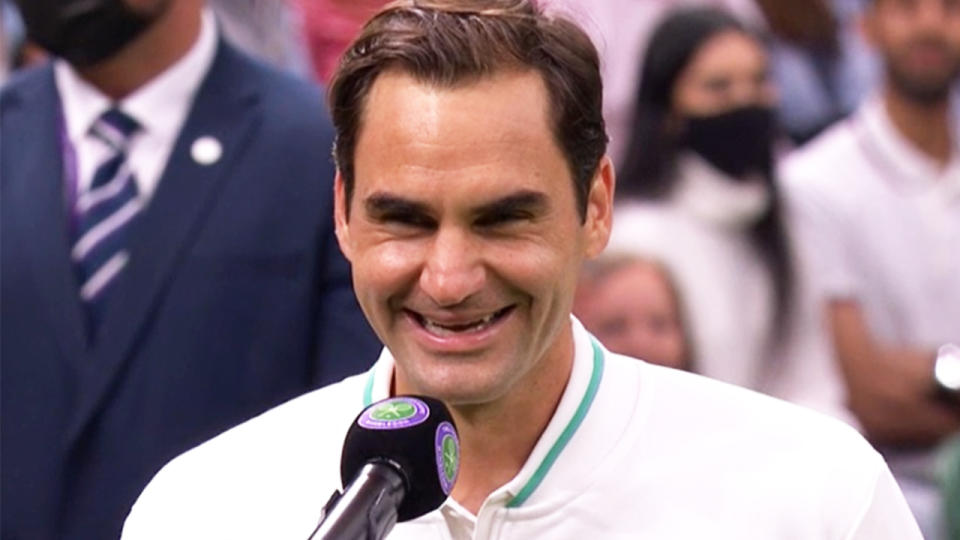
(788, 191)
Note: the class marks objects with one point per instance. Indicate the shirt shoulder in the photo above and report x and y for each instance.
(288, 93)
(825, 160)
(796, 469)
(750, 414)
(26, 82)
(277, 470)
(826, 179)
(701, 458)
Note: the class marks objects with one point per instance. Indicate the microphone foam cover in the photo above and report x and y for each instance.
(415, 433)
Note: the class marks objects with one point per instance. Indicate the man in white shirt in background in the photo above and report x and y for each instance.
(472, 184)
(878, 200)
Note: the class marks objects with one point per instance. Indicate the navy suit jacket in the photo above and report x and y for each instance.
(236, 298)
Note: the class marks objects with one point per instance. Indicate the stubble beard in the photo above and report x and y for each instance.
(924, 91)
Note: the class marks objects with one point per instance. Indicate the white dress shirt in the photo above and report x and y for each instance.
(160, 107)
(632, 451)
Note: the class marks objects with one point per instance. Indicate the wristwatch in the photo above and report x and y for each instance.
(946, 370)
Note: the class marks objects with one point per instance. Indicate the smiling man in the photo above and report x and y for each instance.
(472, 185)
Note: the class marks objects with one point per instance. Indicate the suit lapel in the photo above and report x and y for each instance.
(225, 109)
(37, 195)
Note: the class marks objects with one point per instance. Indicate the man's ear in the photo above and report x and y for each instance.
(599, 219)
(340, 217)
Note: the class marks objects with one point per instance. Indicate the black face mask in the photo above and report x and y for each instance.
(82, 32)
(736, 142)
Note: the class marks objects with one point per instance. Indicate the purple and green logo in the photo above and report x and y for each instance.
(447, 448)
(394, 413)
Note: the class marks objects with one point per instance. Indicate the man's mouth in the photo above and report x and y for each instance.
(444, 329)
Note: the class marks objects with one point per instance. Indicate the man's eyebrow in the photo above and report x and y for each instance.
(380, 204)
(526, 200)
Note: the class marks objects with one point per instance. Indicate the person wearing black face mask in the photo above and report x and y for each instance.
(697, 192)
(737, 142)
(168, 264)
(86, 33)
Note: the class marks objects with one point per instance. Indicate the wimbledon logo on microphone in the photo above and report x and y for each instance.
(395, 413)
(447, 448)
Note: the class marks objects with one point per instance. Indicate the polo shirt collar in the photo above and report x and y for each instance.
(557, 440)
(907, 168)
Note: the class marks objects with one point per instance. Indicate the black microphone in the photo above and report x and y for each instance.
(400, 460)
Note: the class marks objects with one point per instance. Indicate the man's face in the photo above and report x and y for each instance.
(633, 310)
(920, 43)
(464, 234)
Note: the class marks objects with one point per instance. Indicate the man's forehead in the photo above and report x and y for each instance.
(496, 126)
(501, 101)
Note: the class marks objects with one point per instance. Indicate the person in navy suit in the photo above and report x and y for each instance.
(169, 267)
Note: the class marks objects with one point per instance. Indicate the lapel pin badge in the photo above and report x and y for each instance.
(206, 150)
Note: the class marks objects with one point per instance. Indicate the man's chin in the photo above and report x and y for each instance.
(457, 379)
(924, 90)
(462, 394)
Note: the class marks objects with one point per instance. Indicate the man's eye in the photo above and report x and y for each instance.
(502, 218)
(717, 85)
(408, 220)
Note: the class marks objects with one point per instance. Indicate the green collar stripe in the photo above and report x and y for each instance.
(561, 441)
(368, 389)
(568, 431)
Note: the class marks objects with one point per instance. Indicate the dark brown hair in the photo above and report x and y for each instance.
(449, 43)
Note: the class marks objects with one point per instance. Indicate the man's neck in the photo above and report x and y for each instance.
(496, 439)
(160, 46)
(925, 125)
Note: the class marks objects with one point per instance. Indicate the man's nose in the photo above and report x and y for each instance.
(453, 270)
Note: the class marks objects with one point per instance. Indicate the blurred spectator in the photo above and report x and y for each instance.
(15, 51)
(697, 193)
(620, 30)
(168, 265)
(11, 36)
(330, 26)
(816, 84)
(819, 59)
(630, 304)
(270, 30)
(880, 199)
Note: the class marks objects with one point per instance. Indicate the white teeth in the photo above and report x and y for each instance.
(475, 326)
(437, 330)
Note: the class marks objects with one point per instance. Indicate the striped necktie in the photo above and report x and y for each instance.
(104, 215)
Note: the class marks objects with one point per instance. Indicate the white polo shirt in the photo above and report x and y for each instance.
(633, 451)
(884, 222)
